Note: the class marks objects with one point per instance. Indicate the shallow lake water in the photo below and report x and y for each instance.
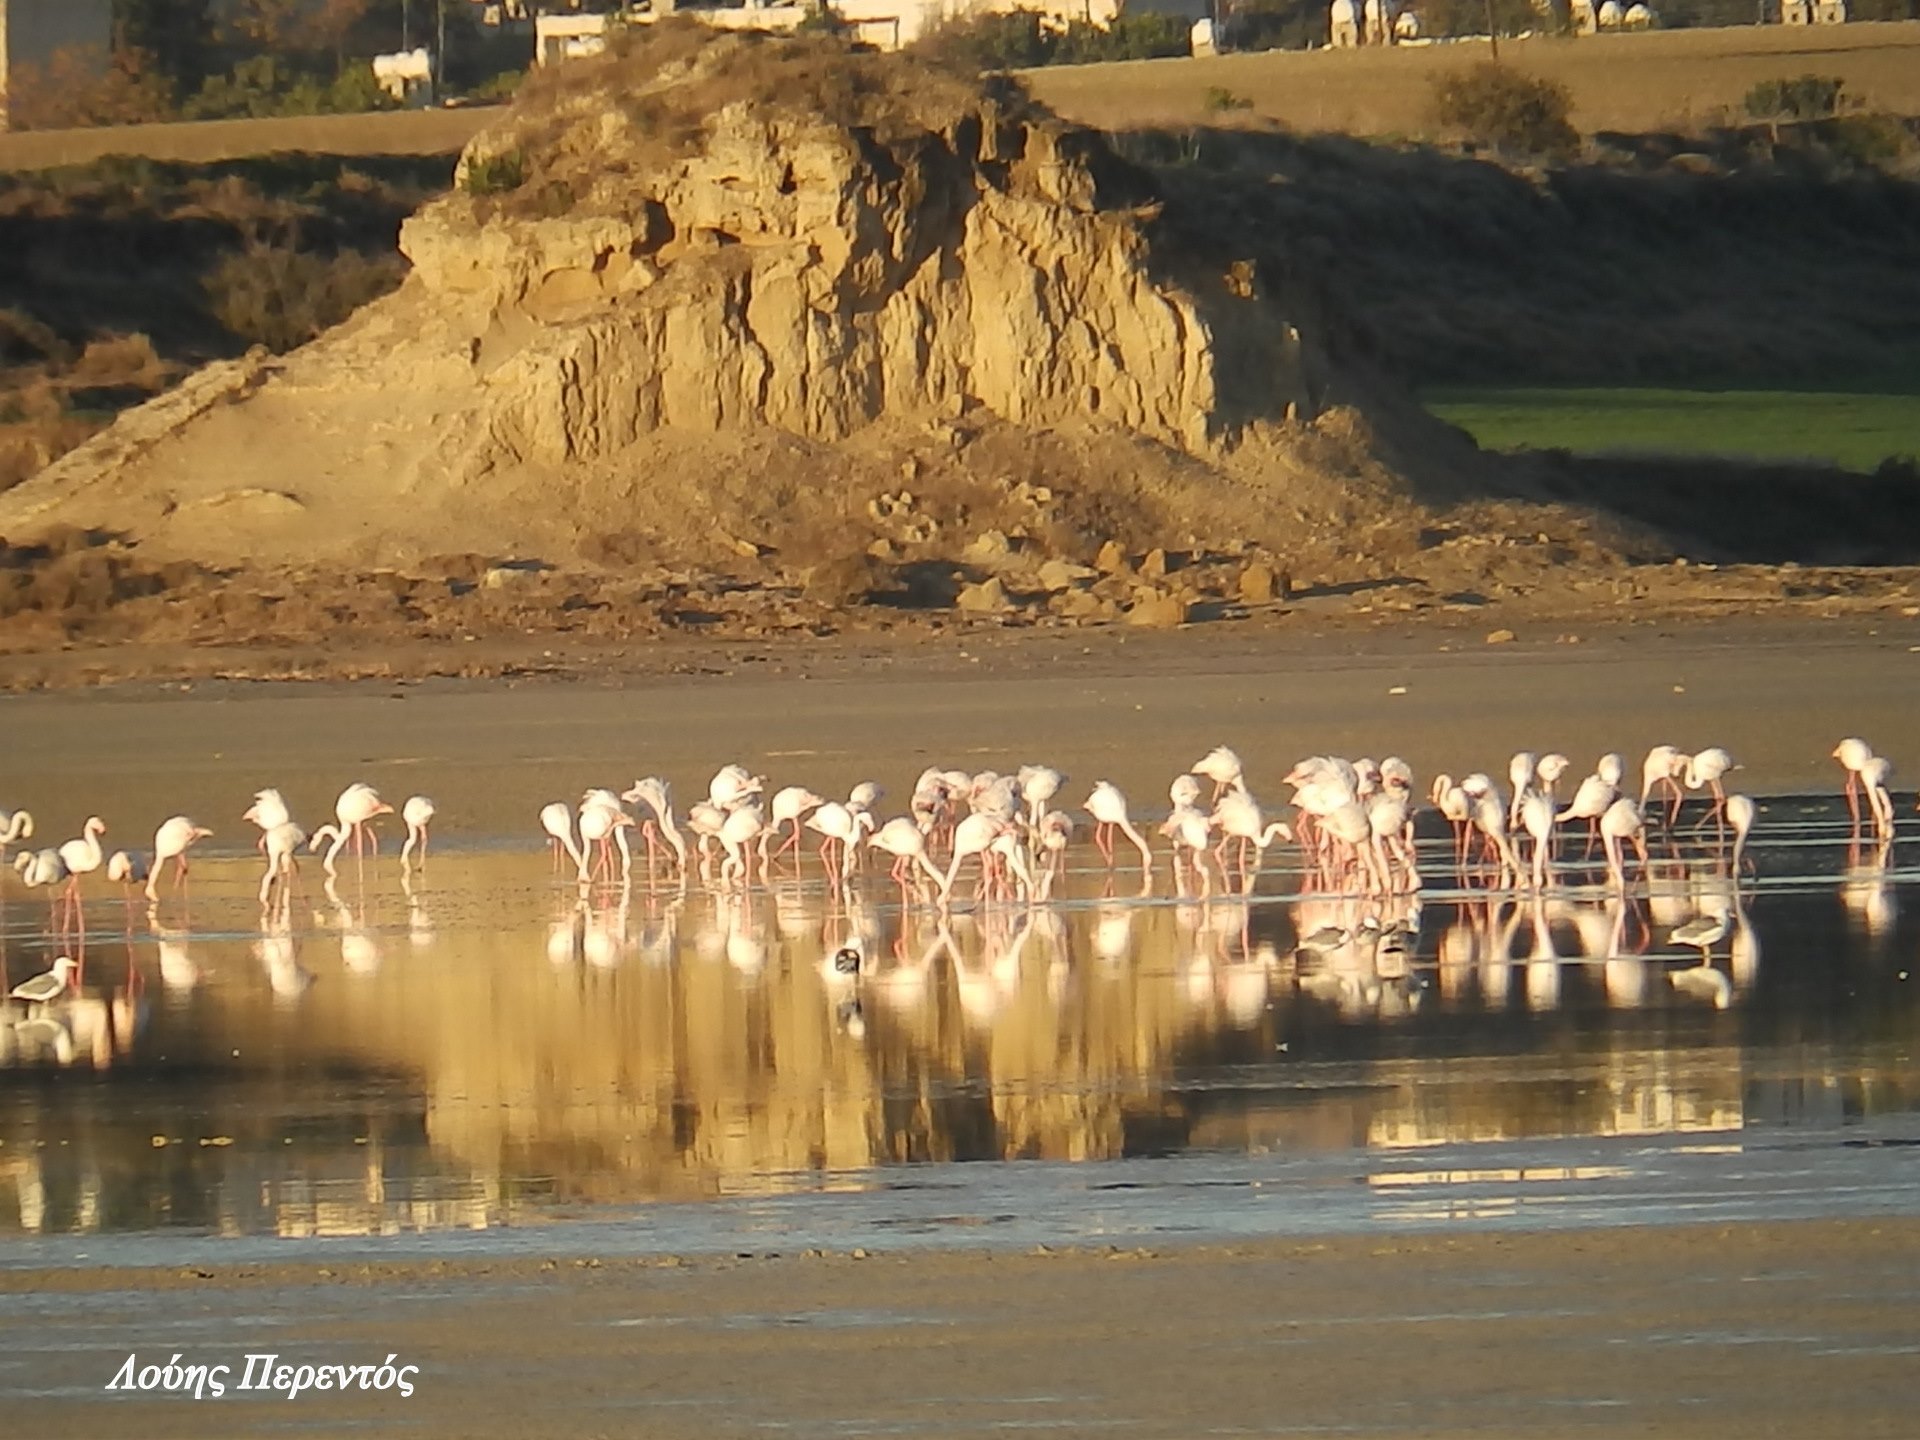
(484, 1056)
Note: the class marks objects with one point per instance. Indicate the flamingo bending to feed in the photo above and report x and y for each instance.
(1874, 776)
(1589, 803)
(657, 796)
(557, 820)
(902, 839)
(790, 806)
(1740, 815)
(1854, 755)
(355, 810)
(836, 824)
(977, 834)
(335, 833)
(605, 825)
(1705, 769)
(418, 813)
(282, 844)
(171, 841)
(1664, 765)
(1109, 810)
(1520, 770)
(1239, 818)
(1622, 821)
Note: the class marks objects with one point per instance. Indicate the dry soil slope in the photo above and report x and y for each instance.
(724, 293)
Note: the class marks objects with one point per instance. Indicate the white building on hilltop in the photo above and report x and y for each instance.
(33, 32)
(884, 24)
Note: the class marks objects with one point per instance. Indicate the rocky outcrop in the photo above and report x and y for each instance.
(796, 272)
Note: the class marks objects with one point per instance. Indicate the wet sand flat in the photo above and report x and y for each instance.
(1129, 708)
(1797, 1329)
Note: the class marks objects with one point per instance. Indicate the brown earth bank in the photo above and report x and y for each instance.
(1793, 1329)
(734, 338)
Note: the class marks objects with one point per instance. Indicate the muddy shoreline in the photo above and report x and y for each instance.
(1792, 1329)
(1128, 707)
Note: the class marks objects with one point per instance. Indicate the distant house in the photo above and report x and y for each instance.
(32, 32)
(885, 24)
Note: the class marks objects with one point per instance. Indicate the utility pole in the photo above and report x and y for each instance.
(1493, 32)
(406, 25)
(440, 49)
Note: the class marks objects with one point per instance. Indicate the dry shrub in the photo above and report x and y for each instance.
(279, 297)
(117, 360)
(1496, 105)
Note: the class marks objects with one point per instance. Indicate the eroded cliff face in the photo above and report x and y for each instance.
(797, 272)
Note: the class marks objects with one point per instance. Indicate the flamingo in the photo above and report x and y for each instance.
(604, 824)
(1191, 829)
(418, 813)
(15, 825)
(1184, 792)
(282, 844)
(1664, 765)
(38, 868)
(1223, 767)
(268, 810)
(1109, 810)
(1854, 755)
(1239, 818)
(1705, 769)
(657, 796)
(1055, 835)
(836, 824)
(1874, 776)
(1622, 821)
(974, 835)
(1454, 807)
(1520, 770)
(1589, 803)
(171, 841)
(732, 785)
(557, 820)
(335, 833)
(1536, 814)
(1037, 785)
(864, 796)
(790, 806)
(355, 810)
(1740, 815)
(743, 826)
(83, 857)
(902, 839)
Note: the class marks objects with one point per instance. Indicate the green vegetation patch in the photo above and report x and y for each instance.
(1855, 428)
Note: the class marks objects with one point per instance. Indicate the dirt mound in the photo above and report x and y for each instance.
(720, 317)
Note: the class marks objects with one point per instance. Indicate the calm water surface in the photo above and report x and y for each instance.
(483, 1050)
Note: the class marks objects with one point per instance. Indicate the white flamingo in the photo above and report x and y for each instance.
(1108, 807)
(171, 841)
(418, 813)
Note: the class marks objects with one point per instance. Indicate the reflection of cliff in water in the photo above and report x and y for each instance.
(495, 1050)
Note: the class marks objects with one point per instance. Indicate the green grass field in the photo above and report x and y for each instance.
(1855, 428)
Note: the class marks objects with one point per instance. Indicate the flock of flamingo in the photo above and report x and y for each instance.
(1353, 822)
